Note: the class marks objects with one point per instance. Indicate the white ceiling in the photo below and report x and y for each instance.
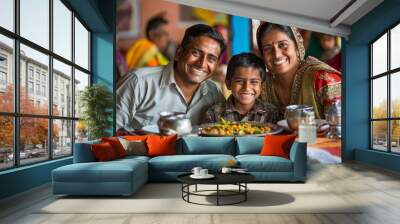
(327, 16)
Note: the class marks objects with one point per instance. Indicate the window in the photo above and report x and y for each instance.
(55, 100)
(37, 74)
(43, 90)
(7, 89)
(43, 77)
(62, 30)
(385, 96)
(7, 14)
(3, 61)
(63, 76)
(30, 72)
(38, 89)
(34, 26)
(81, 45)
(3, 81)
(30, 87)
(3, 72)
(47, 36)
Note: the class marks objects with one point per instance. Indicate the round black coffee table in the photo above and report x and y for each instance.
(238, 179)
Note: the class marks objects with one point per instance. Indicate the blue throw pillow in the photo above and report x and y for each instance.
(249, 145)
(194, 145)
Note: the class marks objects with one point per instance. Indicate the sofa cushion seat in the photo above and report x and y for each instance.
(184, 163)
(257, 163)
(118, 177)
(113, 171)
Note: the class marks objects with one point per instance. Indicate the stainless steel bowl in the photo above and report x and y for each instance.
(171, 123)
(293, 115)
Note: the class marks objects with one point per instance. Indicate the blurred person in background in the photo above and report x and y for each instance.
(147, 52)
(219, 75)
(123, 23)
(331, 53)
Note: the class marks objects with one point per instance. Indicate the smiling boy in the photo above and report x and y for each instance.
(245, 75)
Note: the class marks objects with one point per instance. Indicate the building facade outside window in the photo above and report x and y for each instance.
(384, 91)
(3, 72)
(39, 82)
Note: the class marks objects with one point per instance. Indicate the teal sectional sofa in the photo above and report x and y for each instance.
(125, 176)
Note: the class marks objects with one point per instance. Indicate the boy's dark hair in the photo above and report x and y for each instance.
(202, 30)
(266, 27)
(247, 60)
(154, 23)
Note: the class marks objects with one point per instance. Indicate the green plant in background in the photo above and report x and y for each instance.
(96, 102)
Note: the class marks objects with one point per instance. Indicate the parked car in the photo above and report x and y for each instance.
(22, 155)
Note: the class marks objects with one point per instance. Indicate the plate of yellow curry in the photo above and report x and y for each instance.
(230, 128)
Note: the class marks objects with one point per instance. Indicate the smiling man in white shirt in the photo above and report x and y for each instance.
(181, 86)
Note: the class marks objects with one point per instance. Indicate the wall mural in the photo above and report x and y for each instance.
(290, 82)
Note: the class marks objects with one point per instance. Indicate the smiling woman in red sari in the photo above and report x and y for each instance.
(291, 78)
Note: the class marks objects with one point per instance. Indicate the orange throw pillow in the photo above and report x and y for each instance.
(103, 151)
(116, 145)
(136, 137)
(161, 145)
(277, 145)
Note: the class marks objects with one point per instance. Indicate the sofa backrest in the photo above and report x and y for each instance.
(249, 145)
(192, 145)
(83, 153)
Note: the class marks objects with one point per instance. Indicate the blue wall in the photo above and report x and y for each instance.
(103, 53)
(93, 13)
(241, 29)
(24, 178)
(356, 85)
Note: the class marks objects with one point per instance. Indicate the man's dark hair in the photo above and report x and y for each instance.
(202, 30)
(266, 27)
(247, 60)
(154, 23)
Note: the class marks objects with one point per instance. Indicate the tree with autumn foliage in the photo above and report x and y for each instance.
(380, 111)
(33, 131)
(6, 122)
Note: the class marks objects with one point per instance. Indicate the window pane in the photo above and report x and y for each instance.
(81, 131)
(81, 45)
(6, 74)
(379, 55)
(379, 135)
(6, 142)
(33, 139)
(395, 136)
(35, 21)
(379, 97)
(395, 94)
(34, 97)
(62, 29)
(395, 47)
(7, 14)
(81, 81)
(62, 141)
(62, 89)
